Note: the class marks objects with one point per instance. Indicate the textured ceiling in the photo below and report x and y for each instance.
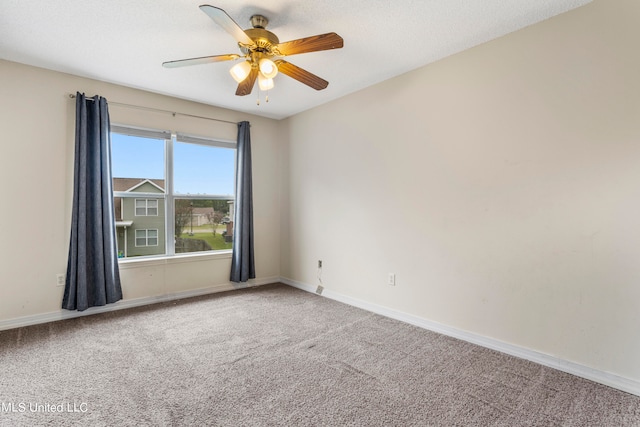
(126, 41)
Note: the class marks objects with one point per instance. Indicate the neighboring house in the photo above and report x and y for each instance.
(201, 216)
(140, 221)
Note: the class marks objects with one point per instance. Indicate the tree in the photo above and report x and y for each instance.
(221, 206)
(215, 218)
(183, 215)
(217, 205)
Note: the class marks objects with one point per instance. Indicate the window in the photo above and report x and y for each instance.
(184, 189)
(146, 207)
(146, 237)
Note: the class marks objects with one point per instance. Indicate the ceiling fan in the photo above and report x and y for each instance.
(262, 52)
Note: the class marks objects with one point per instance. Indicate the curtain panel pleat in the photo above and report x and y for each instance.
(242, 260)
(93, 278)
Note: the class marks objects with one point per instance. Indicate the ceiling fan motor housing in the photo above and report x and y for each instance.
(263, 39)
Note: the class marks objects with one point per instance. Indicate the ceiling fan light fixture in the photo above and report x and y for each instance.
(259, 47)
(268, 68)
(265, 83)
(240, 71)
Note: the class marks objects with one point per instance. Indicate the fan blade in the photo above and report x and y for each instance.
(221, 18)
(246, 86)
(198, 61)
(301, 75)
(311, 44)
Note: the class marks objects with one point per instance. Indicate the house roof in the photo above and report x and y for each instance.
(128, 184)
(202, 211)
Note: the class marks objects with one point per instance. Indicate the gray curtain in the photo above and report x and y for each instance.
(93, 278)
(242, 264)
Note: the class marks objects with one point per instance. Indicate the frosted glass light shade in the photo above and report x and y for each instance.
(268, 68)
(264, 83)
(240, 71)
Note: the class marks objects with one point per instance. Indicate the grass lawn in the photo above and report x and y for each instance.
(216, 242)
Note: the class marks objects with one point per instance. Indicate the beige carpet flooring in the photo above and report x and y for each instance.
(277, 356)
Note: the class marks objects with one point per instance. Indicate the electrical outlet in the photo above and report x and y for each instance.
(392, 279)
(60, 279)
(319, 263)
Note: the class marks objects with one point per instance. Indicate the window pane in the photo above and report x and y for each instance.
(200, 169)
(142, 219)
(136, 157)
(203, 225)
(152, 207)
(141, 207)
(138, 170)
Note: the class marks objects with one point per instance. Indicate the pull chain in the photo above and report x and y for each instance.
(266, 98)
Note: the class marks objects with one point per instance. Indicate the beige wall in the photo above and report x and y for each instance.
(501, 185)
(36, 167)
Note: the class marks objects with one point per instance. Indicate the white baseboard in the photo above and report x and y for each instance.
(602, 377)
(130, 303)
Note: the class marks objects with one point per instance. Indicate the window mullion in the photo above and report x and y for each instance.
(170, 246)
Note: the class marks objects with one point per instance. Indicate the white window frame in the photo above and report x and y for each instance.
(168, 196)
(146, 237)
(146, 207)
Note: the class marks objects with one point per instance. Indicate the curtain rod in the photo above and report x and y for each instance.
(174, 113)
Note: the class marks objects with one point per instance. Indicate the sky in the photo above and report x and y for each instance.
(198, 169)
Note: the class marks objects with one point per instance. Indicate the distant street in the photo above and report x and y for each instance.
(204, 229)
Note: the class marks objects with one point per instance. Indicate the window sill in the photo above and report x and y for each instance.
(175, 259)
